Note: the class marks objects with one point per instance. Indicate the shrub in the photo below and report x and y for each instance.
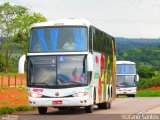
(147, 83)
(24, 108)
(145, 72)
(6, 110)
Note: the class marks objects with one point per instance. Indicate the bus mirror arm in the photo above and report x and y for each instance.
(89, 62)
(137, 77)
(21, 64)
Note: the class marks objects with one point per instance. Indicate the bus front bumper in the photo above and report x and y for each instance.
(60, 102)
(125, 92)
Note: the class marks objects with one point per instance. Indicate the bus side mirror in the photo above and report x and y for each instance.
(89, 62)
(21, 64)
(137, 77)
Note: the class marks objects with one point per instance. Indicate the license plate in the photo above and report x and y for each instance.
(55, 102)
(124, 92)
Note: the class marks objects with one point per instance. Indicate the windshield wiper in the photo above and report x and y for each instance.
(79, 83)
(40, 83)
(71, 83)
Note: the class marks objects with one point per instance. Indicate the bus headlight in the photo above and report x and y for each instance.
(81, 94)
(35, 95)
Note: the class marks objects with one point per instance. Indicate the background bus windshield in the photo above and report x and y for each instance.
(53, 39)
(126, 81)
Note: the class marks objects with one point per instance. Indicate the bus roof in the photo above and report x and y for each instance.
(125, 62)
(64, 22)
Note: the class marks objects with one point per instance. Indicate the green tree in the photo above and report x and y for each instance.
(15, 22)
(145, 72)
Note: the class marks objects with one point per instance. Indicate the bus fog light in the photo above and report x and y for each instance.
(81, 94)
(35, 95)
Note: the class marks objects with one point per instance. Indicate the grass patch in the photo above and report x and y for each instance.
(24, 108)
(8, 110)
(4, 102)
(11, 74)
(4, 87)
(21, 87)
(122, 96)
(148, 93)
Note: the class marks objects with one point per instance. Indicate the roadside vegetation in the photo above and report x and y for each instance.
(145, 83)
(148, 93)
(9, 110)
(15, 23)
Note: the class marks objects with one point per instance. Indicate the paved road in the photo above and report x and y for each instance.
(120, 107)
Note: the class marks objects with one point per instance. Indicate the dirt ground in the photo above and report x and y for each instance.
(13, 97)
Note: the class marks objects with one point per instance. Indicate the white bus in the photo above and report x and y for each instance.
(126, 78)
(70, 63)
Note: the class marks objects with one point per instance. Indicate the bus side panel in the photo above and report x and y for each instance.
(99, 77)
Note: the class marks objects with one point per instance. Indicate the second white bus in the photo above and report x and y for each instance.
(126, 78)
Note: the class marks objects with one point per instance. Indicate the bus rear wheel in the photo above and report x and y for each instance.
(42, 110)
(104, 105)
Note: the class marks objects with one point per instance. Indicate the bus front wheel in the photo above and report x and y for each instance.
(132, 95)
(89, 109)
(42, 110)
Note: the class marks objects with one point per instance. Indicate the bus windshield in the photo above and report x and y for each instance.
(126, 81)
(57, 71)
(126, 69)
(54, 39)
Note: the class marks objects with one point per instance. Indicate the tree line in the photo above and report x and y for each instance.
(145, 54)
(15, 23)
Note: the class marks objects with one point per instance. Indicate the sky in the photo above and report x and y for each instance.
(120, 18)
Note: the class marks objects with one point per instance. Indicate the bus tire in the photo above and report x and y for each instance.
(89, 109)
(103, 105)
(42, 110)
(131, 95)
(109, 105)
